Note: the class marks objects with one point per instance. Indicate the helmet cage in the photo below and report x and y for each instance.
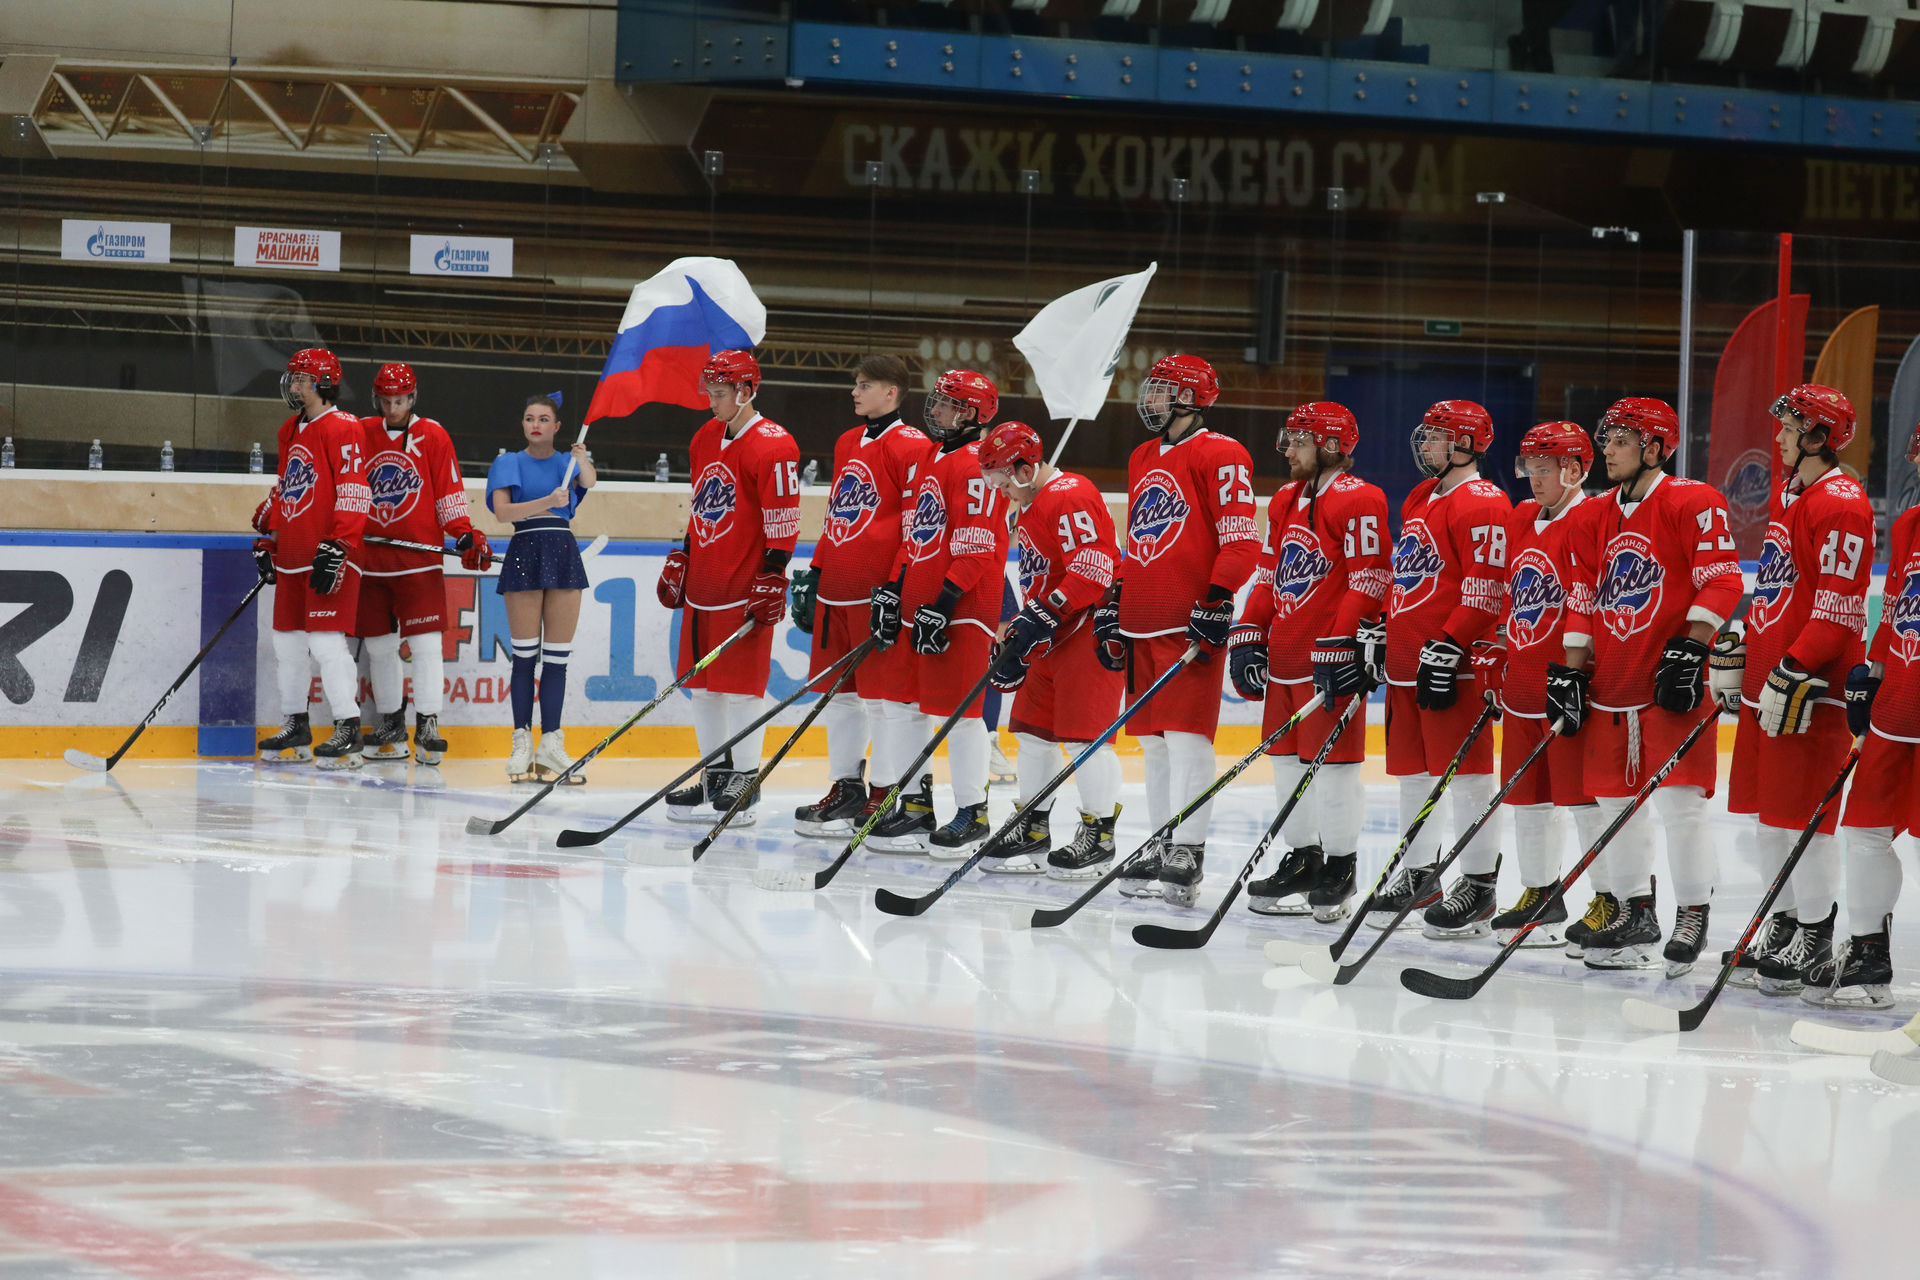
(1159, 402)
(955, 410)
(1456, 441)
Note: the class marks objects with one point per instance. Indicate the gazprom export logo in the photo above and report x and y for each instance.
(490, 256)
(87, 240)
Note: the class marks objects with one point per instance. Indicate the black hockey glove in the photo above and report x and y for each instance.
(1337, 669)
(1371, 636)
(1247, 661)
(263, 558)
(329, 565)
(1567, 690)
(1110, 646)
(883, 613)
(1862, 684)
(1212, 619)
(1680, 677)
(1031, 632)
(1436, 684)
(930, 621)
(806, 594)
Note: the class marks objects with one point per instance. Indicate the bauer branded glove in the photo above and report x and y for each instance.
(1371, 636)
(1030, 633)
(1247, 661)
(1786, 700)
(930, 621)
(1726, 669)
(1567, 689)
(1211, 620)
(1680, 677)
(476, 553)
(1436, 684)
(806, 594)
(671, 590)
(329, 566)
(1862, 684)
(1337, 669)
(767, 598)
(883, 613)
(1009, 670)
(263, 558)
(1112, 646)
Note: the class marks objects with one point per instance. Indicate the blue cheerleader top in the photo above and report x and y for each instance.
(525, 478)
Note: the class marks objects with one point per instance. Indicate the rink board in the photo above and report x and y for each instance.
(96, 625)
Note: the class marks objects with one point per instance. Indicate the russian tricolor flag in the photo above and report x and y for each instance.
(674, 322)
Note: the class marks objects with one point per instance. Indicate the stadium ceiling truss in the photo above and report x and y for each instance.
(160, 112)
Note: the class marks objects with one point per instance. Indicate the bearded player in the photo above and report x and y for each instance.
(310, 527)
(417, 496)
(1322, 576)
(1067, 550)
(1191, 544)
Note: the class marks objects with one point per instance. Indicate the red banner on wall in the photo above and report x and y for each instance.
(1740, 448)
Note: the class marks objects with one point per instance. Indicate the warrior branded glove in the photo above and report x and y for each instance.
(1371, 636)
(1337, 669)
(930, 621)
(672, 587)
(329, 566)
(263, 514)
(1726, 669)
(1247, 661)
(263, 558)
(767, 598)
(1862, 684)
(1680, 677)
(883, 613)
(476, 553)
(1786, 700)
(806, 594)
(1111, 646)
(1490, 669)
(1031, 632)
(1211, 620)
(1436, 684)
(1567, 697)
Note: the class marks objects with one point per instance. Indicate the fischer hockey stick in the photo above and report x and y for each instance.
(1322, 963)
(801, 881)
(851, 659)
(1653, 1017)
(1166, 938)
(1048, 917)
(895, 904)
(84, 760)
(1440, 987)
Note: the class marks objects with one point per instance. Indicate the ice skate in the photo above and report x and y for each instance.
(342, 750)
(1601, 912)
(1089, 855)
(1284, 893)
(907, 828)
(550, 759)
(732, 785)
(1140, 877)
(1547, 933)
(1332, 893)
(520, 757)
(1776, 933)
(428, 746)
(833, 815)
(1859, 976)
(1181, 870)
(1466, 912)
(694, 802)
(1024, 849)
(389, 740)
(293, 744)
(1689, 935)
(1783, 972)
(962, 836)
(1410, 889)
(1629, 941)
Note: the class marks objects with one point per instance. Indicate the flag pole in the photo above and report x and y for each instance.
(1061, 448)
(567, 479)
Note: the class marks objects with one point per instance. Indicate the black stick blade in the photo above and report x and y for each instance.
(896, 905)
(1437, 987)
(571, 839)
(1166, 939)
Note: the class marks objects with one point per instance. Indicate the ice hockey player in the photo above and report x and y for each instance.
(1322, 576)
(1554, 460)
(1804, 632)
(1657, 578)
(868, 508)
(309, 547)
(1191, 544)
(943, 601)
(731, 566)
(1449, 578)
(418, 496)
(1883, 702)
(1067, 548)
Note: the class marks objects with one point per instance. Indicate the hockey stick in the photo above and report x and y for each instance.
(587, 552)
(1322, 964)
(1048, 917)
(801, 881)
(895, 904)
(851, 660)
(1439, 987)
(84, 760)
(1167, 938)
(1862, 1044)
(1897, 1067)
(1653, 1017)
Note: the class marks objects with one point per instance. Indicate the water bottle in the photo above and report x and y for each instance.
(256, 461)
(95, 459)
(166, 455)
(6, 454)
(660, 473)
(810, 474)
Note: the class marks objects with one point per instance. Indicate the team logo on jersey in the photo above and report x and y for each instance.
(851, 506)
(396, 487)
(1416, 567)
(1773, 579)
(715, 495)
(1033, 565)
(1537, 596)
(1301, 568)
(929, 527)
(297, 481)
(1630, 588)
(1155, 517)
(1902, 613)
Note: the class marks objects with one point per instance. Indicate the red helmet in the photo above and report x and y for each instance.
(1554, 440)
(1650, 419)
(395, 380)
(1819, 406)
(318, 363)
(1160, 389)
(961, 389)
(1008, 445)
(731, 369)
(1331, 425)
(1461, 424)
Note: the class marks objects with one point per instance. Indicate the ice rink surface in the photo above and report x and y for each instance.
(263, 1022)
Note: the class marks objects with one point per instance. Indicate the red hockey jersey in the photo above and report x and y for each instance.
(1190, 525)
(417, 495)
(1449, 569)
(867, 510)
(1896, 642)
(1065, 543)
(746, 501)
(1645, 575)
(1810, 588)
(322, 490)
(1323, 569)
(957, 533)
(1540, 571)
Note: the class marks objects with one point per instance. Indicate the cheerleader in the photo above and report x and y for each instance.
(542, 578)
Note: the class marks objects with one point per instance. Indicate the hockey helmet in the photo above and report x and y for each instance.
(1459, 424)
(317, 363)
(392, 382)
(1009, 445)
(1556, 440)
(1818, 406)
(1160, 390)
(954, 392)
(1646, 417)
(731, 369)
(1329, 424)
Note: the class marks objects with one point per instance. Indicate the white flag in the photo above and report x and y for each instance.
(1073, 345)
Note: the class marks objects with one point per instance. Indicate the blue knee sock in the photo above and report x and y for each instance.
(524, 654)
(553, 684)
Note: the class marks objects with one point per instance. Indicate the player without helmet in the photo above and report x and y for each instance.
(1452, 434)
(960, 405)
(1178, 386)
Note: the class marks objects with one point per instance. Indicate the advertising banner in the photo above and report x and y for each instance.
(461, 256)
(88, 240)
(286, 249)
